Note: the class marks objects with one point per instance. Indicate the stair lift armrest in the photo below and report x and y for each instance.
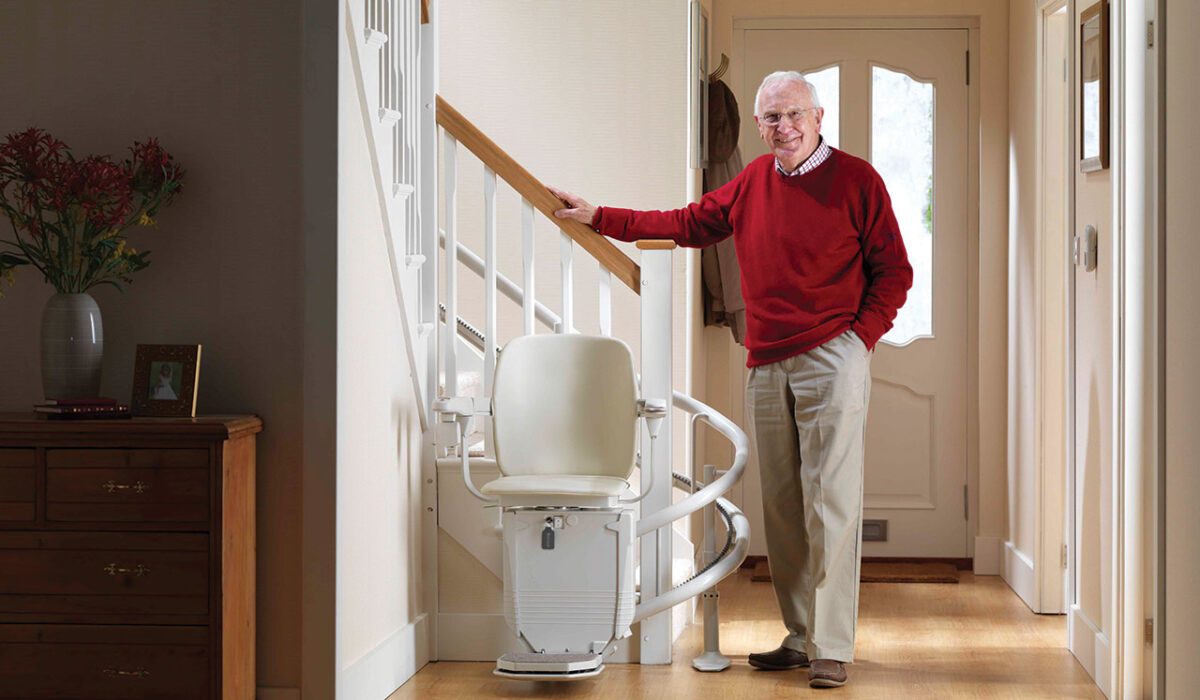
(452, 408)
(653, 411)
(461, 410)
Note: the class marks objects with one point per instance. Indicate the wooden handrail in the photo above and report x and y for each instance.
(528, 186)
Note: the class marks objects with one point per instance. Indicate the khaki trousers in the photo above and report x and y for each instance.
(809, 414)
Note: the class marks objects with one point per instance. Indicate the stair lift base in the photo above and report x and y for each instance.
(569, 587)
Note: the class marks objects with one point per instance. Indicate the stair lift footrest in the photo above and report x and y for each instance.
(549, 666)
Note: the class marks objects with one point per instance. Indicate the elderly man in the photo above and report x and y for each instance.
(824, 272)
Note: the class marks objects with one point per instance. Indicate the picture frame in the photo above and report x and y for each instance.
(165, 379)
(1093, 88)
(699, 71)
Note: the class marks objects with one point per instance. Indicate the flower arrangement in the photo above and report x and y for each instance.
(69, 216)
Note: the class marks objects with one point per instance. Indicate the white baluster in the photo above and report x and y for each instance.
(381, 23)
(426, 149)
(450, 327)
(489, 294)
(529, 307)
(605, 301)
(566, 252)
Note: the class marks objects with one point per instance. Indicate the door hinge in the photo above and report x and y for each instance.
(968, 66)
(1150, 34)
(966, 504)
(1064, 556)
(1149, 631)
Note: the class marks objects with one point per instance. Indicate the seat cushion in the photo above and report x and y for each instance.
(559, 485)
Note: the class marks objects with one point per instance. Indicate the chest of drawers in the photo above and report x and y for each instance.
(127, 553)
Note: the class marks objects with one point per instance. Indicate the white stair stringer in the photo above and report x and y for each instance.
(473, 526)
(392, 202)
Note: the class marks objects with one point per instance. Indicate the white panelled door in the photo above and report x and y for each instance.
(899, 98)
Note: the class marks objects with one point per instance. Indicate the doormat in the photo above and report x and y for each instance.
(887, 572)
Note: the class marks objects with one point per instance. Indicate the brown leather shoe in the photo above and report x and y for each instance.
(781, 659)
(826, 673)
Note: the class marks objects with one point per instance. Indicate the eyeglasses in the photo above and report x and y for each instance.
(793, 115)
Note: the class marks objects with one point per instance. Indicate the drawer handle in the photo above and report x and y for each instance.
(122, 673)
(138, 571)
(138, 486)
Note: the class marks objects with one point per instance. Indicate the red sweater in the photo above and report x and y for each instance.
(819, 252)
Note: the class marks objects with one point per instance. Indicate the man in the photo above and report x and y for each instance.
(824, 271)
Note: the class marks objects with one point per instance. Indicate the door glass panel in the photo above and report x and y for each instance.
(826, 82)
(902, 152)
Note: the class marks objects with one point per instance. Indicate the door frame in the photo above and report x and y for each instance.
(971, 25)
(1137, 596)
(1138, 212)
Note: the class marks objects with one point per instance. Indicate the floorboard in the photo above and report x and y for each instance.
(971, 640)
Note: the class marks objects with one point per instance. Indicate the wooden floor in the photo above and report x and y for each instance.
(975, 639)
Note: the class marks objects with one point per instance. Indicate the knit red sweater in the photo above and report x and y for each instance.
(819, 252)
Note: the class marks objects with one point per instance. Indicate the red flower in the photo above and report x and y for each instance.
(79, 206)
(151, 166)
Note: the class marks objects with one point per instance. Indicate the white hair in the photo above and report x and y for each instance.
(786, 76)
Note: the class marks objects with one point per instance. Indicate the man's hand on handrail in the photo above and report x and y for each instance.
(577, 207)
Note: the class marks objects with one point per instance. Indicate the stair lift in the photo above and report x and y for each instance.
(565, 413)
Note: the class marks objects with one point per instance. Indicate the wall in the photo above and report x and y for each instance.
(566, 91)
(1022, 291)
(220, 84)
(725, 360)
(1038, 287)
(380, 628)
(318, 514)
(1183, 337)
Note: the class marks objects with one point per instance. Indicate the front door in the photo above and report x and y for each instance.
(899, 98)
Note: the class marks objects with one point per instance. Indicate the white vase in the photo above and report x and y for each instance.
(72, 347)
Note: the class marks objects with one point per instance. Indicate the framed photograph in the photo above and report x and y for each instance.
(699, 70)
(1093, 87)
(165, 379)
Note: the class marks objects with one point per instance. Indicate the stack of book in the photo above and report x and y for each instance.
(77, 409)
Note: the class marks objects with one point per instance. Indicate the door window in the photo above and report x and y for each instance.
(902, 152)
(827, 83)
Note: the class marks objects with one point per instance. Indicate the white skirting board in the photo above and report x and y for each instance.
(988, 555)
(386, 667)
(1091, 647)
(1018, 574)
(261, 693)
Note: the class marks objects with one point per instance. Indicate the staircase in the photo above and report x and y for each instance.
(408, 126)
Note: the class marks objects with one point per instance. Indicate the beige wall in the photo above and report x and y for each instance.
(379, 432)
(1038, 287)
(1183, 337)
(1022, 269)
(219, 84)
(987, 435)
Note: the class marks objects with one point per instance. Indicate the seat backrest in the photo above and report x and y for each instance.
(565, 405)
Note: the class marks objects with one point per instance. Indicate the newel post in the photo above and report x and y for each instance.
(655, 632)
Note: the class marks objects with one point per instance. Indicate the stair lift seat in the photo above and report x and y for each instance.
(574, 485)
(565, 414)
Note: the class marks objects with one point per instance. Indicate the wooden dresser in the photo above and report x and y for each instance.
(127, 558)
